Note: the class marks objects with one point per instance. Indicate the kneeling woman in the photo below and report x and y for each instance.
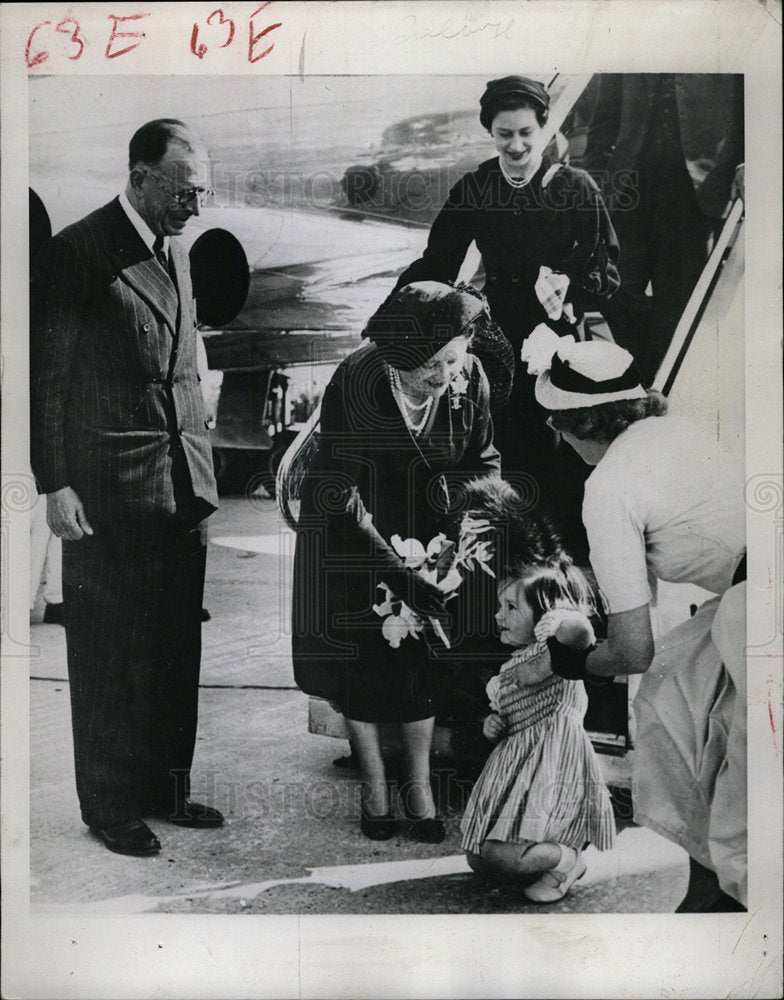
(404, 422)
(664, 502)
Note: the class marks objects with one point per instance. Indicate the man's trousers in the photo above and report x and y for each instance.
(132, 595)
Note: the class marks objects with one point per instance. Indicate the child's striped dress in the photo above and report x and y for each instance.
(541, 782)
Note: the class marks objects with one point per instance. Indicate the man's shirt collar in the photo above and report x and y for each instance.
(141, 227)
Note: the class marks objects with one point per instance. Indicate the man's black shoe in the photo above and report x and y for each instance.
(131, 837)
(53, 614)
(194, 814)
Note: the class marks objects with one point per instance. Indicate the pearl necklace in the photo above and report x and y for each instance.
(515, 182)
(406, 406)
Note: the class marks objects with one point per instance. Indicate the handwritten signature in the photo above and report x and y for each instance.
(451, 27)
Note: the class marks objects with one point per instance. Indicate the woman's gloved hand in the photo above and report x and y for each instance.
(570, 638)
(551, 288)
(422, 597)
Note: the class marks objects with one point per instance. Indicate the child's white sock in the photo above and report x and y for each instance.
(568, 858)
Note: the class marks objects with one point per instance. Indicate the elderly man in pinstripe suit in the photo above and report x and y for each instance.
(120, 448)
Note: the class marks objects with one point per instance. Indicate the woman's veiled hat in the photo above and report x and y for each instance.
(575, 375)
(497, 92)
(417, 320)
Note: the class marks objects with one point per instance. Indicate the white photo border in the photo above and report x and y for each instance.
(409, 956)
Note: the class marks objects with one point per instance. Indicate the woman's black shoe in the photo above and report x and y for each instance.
(349, 763)
(53, 614)
(377, 827)
(427, 831)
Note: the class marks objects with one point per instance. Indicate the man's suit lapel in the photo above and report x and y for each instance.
(182, 276)
(138, 268)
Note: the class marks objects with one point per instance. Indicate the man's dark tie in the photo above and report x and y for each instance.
(161, 256)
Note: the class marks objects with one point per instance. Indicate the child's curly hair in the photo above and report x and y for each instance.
(556, 583)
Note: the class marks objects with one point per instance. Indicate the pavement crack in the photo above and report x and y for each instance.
(228, 687)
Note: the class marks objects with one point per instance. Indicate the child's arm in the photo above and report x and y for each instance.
(493, 727)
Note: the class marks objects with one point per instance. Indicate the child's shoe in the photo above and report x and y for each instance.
(555, 883)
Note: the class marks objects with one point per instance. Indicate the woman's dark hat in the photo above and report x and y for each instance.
(498, 91)
(417, 320)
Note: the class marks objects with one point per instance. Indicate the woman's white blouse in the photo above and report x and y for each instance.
(664, 498)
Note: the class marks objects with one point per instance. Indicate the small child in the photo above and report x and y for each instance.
(540, 798)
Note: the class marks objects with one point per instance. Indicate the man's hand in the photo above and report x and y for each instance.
(65, 515)
(493, 727)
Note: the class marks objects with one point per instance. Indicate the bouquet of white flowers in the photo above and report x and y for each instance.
(440, 563)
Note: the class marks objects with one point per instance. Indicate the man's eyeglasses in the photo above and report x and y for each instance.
(183, 197)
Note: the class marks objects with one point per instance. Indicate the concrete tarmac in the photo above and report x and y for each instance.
(291, 842)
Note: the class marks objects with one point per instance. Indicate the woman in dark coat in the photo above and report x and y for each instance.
(526, 212)
(404, 423)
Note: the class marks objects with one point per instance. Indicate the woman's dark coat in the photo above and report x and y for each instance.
(369, 481)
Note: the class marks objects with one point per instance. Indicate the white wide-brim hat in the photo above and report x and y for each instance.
(586, 373)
